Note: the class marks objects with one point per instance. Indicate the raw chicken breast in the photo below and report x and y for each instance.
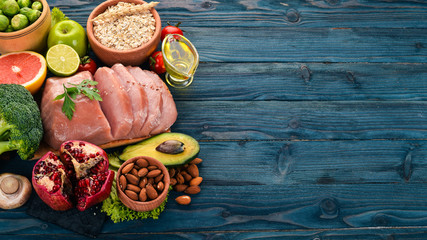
(138, 97)
(168, 108)
(154, 98)
(116, 103)
(88, 122)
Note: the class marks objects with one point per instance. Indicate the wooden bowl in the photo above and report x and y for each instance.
(110, 56)
(148, 205)
(31, 38)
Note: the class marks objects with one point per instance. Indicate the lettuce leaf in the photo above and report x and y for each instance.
(57, 16)
(118, 212)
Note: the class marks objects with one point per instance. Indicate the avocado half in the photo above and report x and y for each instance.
(187, 150)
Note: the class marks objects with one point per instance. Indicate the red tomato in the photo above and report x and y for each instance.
(171, 30)
(87, 64)
(156, 62)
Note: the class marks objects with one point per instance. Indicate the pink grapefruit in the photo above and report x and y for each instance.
(26, 68)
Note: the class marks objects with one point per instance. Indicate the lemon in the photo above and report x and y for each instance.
(62, 60)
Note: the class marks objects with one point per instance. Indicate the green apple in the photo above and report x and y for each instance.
(71, 33)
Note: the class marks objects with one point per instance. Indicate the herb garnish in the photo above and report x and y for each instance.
(86, 87)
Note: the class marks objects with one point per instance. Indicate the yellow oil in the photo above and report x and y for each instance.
(180, 60)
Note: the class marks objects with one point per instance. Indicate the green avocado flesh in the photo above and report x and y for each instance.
(148, 148)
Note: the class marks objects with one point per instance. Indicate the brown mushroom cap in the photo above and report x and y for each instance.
(14, 190)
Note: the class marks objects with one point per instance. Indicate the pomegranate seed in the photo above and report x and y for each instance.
(55, 188)
(81, 144)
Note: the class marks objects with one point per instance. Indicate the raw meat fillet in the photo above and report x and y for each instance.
(154, 98)
(168, 108)
(116, 104)
(138, 98)
(88, 123)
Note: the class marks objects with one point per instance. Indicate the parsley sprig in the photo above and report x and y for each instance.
(85, 87)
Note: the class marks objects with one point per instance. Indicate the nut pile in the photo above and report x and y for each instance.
(186, 179)
(141, 181)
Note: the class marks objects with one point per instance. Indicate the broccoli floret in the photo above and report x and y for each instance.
(21, 126)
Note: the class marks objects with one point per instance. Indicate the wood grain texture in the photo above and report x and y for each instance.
(268, 13)
(306, 81)
(301, 120)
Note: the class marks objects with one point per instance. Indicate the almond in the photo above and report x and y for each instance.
(180, 187)
(152, 167)
(196, 161)
(142, 172)
(183, 200)
(158, 178)
(132, 195)
(193, 170)
(172, 172)
(127, 168)
(187, 177)
(142, 163)
(143, 182)
(160, 186)
(132, 179)
(179, 178)
(151, 192)
(192, 190)
(123, 182)
(134, 172)
(133, 188)
(196, 181)
(143, 195)
(150, 181)
(154, 173)
(173, 182)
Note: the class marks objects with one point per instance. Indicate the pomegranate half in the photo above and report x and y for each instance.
(80, 177)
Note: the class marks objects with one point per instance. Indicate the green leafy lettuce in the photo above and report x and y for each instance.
(57, 16)
(118, 212)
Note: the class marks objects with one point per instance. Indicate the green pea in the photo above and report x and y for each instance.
(19, 21)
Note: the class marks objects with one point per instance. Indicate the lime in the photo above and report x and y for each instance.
(62, 60)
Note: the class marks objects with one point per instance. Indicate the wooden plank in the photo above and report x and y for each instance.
(291, 44)
(301, 120)
(225, 13)
(306, 81)
(296, 13)
(313, 162)
(379, 233)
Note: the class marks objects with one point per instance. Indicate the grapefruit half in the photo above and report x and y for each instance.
(26, 68)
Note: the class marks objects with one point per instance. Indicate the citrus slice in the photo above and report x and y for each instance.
(62, 60)
(26, 68)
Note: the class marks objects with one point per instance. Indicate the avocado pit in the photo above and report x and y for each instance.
(171, 147)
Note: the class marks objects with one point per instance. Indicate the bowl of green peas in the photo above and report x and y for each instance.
(24, 25)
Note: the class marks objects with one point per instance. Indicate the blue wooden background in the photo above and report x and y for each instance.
(311, 116)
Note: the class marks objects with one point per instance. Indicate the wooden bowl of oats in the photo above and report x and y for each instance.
(124, 31)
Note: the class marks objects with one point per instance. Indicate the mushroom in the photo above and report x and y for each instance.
(15, 190)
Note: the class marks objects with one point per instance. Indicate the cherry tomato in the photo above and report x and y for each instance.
(156, 62)
(87, 64)
(171, 30)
